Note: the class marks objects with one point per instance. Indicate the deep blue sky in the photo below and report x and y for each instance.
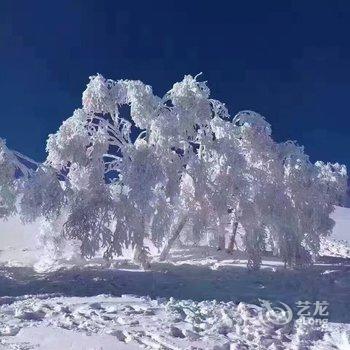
(288, 60)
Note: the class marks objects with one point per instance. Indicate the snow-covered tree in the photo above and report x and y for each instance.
(7, 181)
(14, 169)
(130, 166)
(42, 195)
(303, 197)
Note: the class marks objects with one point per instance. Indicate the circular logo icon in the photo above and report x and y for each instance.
(280, 314)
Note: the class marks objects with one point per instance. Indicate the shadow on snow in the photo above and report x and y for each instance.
(329, 281)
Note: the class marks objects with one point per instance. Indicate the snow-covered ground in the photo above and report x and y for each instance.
(200, 299)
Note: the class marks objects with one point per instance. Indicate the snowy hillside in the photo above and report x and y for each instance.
(341, 231)
(18, 243)
(199, 299)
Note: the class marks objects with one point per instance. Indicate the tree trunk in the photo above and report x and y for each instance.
(221, 233)
(221, 242)
(141, 257)
(232, 240)
(172, 239)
